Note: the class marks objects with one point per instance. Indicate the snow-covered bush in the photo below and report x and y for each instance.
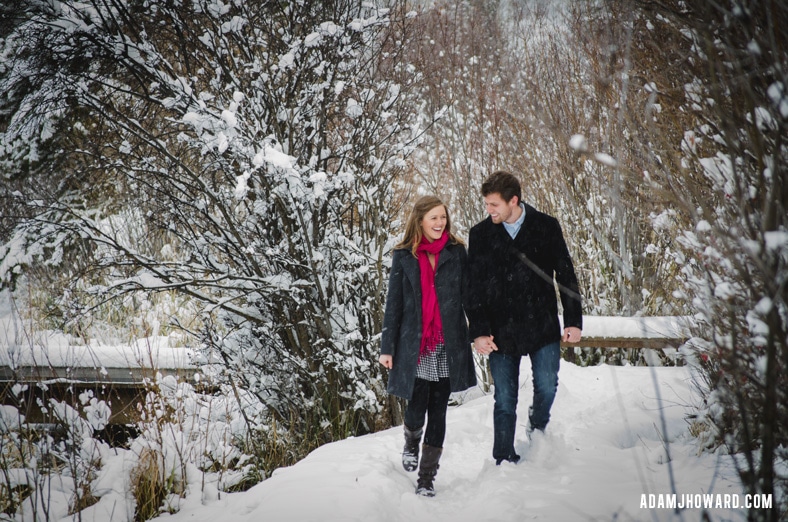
(241, 154)
(188, 438)
(76, 449)
(47, 471)
(725, 225)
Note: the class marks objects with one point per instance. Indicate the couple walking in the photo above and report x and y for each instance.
(505, 285)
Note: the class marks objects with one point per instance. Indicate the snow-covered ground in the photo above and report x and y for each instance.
(619, 439)
(603, 451)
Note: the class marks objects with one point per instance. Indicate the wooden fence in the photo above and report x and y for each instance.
(29, 386)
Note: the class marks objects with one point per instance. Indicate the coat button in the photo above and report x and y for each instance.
(509, 277)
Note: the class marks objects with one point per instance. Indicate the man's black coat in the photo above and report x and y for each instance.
(513, 296)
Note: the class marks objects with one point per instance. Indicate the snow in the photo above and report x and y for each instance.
(59, 350)
(776, 240)
(287, 60)
(612, 327)
(578, 142)
(703, 226)
(56, 351)
(50, 348)
(603, 451)
(274, 157)
(241, 187)
(312, 39)
(605, 159)
(776, 93)
(353, 110)
(329, 28)
(229, 118)
(603, 455)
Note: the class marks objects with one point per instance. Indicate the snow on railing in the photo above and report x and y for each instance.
(634, 332)
(666, 333)
(123, 372)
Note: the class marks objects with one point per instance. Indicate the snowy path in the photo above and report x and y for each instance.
(602, 451)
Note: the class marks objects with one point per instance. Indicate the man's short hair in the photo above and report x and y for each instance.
(503, 183)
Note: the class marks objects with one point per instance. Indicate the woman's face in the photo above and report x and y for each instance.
(434, 223)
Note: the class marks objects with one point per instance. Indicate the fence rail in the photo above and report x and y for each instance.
(29, 388)
(124, 385)
(627, 342)
(624, 343)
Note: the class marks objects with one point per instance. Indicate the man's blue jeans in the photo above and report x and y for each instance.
(505, 371)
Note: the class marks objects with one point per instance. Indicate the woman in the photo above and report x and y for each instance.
(425, 340)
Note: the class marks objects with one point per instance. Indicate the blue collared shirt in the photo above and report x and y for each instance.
(514, 228)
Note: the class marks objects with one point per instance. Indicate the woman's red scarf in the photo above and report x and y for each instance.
(432, 326)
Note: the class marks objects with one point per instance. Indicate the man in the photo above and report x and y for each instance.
(515, 256)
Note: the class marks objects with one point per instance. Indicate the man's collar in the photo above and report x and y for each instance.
(519, 219)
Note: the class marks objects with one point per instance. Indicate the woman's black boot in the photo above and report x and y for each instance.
(430, 455)
(410, 453)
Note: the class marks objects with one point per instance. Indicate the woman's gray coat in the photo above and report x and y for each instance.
(401, 336)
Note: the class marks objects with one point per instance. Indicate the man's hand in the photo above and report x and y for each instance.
(387, 361)
(572, 334)
(484, 345)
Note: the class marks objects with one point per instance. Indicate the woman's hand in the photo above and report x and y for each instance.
(387, 361)
(484, 345)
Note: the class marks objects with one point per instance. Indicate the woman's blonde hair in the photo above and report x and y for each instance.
(413, 231)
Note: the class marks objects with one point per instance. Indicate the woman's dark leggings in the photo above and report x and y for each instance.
(430, 398)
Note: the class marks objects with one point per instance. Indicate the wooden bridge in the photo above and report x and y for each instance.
(121, 375)
(54, 366)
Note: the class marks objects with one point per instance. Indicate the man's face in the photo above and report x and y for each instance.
(499, 209)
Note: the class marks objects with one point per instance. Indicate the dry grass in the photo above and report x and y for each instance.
(148, 485)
